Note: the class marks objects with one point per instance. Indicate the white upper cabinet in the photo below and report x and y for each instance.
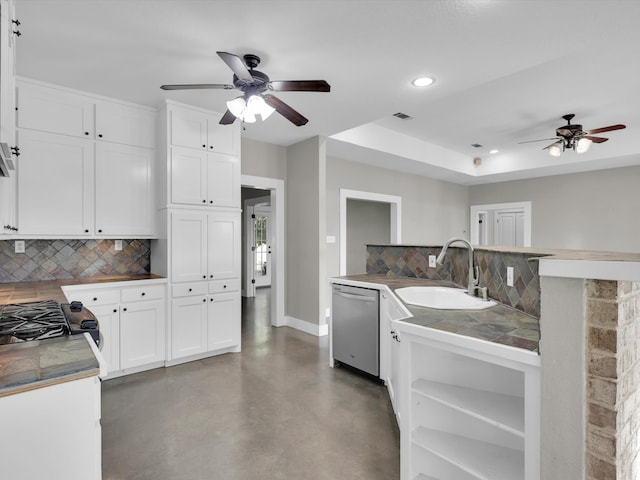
(55, 185)
(124, 190)
(196, 129)
(54, 111)
(188, 246)
(124, 124)
(223, 180)
(223, 230)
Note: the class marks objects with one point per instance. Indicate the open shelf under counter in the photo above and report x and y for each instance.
(479, 459)
(505, 412)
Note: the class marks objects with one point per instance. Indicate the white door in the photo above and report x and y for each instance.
(124, 190)
(223, 138)
(223, 180)
(124, 124)
(142, 335)
(188, 247)
(223, 327)
(188, 176)
(188, 128)
(109, 319)
(188, 326)
(261, 248)
(509, 228)
(55, 184)
(223, 245)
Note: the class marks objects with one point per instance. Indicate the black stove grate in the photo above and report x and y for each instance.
(33, 320)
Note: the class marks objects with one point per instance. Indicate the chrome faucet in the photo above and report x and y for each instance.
(474, 276)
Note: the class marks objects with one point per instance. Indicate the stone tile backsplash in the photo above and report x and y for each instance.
(410, 261)
(66, 259)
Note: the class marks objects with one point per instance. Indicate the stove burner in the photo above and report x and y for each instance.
(33, 320)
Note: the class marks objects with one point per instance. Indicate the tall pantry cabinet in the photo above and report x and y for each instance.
(198, 248)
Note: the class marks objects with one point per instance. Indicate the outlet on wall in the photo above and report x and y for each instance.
(432, 261)
(509, 276)
(19, 246)
(117, 245)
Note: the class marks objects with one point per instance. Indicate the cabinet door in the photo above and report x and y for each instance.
(124, 195)
(188, 326)
(188, 247)
(223, 324)
(188, 128)
(223, 138)
(55, 184)
(188, 176)
(223, 245)
(124, 124)
(109, 320)
(142, 333)
(223, 175)
(55, 111)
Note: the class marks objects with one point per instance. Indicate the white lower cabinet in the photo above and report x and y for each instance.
(132, 322)
(470, 409)
(205, 319)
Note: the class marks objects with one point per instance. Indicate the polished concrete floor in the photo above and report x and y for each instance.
(274, 411)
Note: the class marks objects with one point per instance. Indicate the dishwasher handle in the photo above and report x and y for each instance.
(362, 298)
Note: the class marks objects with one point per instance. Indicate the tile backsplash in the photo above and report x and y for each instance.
(413, 261)
(66, 259)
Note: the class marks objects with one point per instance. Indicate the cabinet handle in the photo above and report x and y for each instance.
(204, 146)
(191, 289)
(204, 276)
(210, 276)
(115, 310)
(125, 309)
(211, 146)
(210, 201)
(86, 133)
(224, 286)
(143, 294)
(211, 299)
(99, 135)
(100, 230)
(204, 201)
(95, 299)
(204, 299)
(86, 230)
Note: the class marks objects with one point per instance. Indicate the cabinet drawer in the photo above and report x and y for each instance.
(97, 297)
(149, 292)
(189, 289)
(227, 285)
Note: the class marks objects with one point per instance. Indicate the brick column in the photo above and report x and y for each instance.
(613, 380)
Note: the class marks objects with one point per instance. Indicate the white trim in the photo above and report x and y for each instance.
(277, 245)
(395, 210)
(307, 327)
(591, 269)
(476, 210)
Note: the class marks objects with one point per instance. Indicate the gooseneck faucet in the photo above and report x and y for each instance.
(473, 271)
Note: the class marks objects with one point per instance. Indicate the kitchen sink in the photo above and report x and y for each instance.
(444, 298)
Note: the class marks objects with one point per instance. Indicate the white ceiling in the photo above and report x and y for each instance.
(505, 71)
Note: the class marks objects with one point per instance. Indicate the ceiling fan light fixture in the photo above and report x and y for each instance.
(555, 150)
(583, 145)
(237, 106)
(257, 106)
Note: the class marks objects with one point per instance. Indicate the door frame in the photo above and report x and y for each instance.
(476, 210)
(277, 192)
(249, 206)
(395, 211)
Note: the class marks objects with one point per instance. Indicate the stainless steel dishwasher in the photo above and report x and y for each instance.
(356, 328)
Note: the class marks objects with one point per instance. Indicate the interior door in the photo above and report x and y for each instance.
(261, 248)
(509, 228)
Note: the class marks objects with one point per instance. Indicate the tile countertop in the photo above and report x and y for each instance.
(21, 292)
(499, 324)
(26, 366)
(40, 363)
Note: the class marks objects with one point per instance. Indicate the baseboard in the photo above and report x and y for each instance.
(307, 327)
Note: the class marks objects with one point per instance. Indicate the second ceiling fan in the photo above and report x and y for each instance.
(254, 85)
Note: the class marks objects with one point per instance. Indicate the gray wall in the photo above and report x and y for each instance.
(585, 211)
(305, 210)
(262, 159)
(432, 210)
(367, 222)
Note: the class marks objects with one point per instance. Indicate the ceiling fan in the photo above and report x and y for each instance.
(253, 84)
(571, 136)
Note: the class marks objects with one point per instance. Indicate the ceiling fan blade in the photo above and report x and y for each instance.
(228, 118)
(195, 86)
(300, 86)
(285, 110)
(596, 139)
(559, 142)
(236, 64)
(541, 140)
(606, 129)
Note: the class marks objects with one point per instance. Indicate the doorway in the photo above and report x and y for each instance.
(507, 224)
(264, 197)
(395, 218)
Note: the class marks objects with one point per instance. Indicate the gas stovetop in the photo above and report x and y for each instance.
(45, 319)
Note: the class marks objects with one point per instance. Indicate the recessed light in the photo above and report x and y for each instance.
(494, 151)
(422, 82)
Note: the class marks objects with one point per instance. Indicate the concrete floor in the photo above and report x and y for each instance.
(275, 411)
